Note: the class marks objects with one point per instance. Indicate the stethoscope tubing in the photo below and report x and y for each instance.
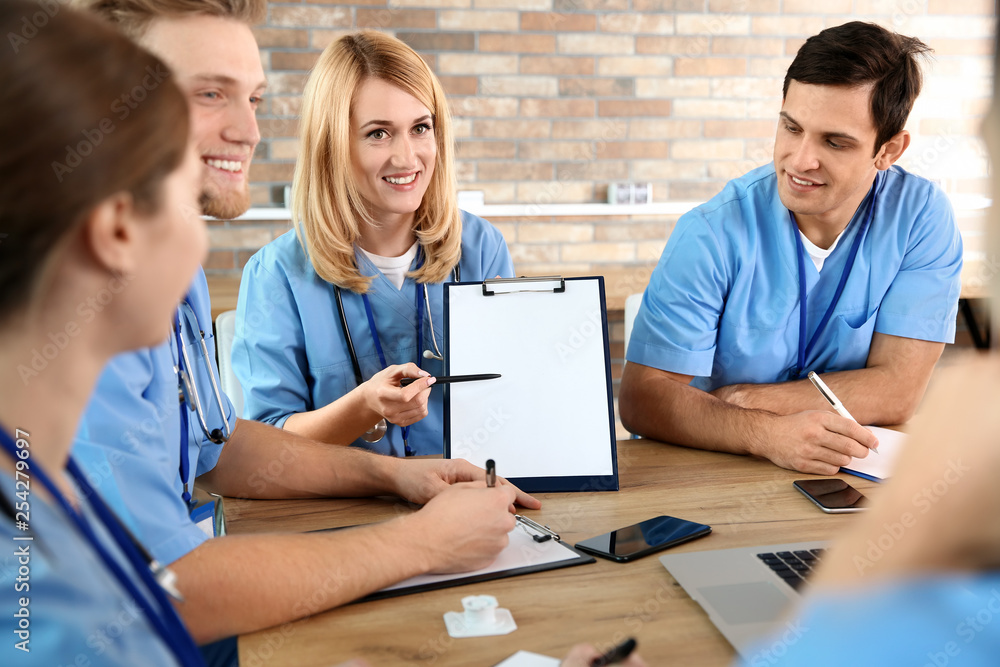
(345, 327)
(189, 395)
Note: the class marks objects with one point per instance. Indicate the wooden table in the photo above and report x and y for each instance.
(746, 501)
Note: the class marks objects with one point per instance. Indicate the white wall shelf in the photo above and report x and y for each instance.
(962, 204)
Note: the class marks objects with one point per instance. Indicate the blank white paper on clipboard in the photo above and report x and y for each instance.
(521, 556)
(548, 421)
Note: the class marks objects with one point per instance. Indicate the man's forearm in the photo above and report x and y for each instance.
(261, 461)
(657, 406)
(887, 391)
(238, 584)
(871, 395)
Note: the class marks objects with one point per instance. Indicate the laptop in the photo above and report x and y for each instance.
(746, 591)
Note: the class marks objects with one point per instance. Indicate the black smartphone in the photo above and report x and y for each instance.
(834, 496)
(642, 539)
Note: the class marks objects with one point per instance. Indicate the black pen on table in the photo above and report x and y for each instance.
(617, 654)
(448, 379)
(491, 473)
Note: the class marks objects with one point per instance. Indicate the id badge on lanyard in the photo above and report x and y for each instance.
(210, 516)
(806, 344)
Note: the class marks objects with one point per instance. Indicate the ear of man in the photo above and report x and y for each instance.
(892, 150)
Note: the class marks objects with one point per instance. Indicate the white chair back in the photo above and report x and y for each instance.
(631, 310)
(225, 332)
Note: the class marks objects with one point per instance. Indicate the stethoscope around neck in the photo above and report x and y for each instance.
(187, 389)
(423, 302)
(157, 580)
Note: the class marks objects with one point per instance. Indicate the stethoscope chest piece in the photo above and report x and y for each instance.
(376, 432)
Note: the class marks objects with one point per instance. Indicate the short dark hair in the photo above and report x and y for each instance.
(865, 54)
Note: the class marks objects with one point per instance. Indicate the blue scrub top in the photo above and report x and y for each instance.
(79, 614)
(942, 620)
(129, 439)
(723, 302)
(290, 354)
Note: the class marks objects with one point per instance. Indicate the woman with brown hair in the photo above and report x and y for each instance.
(324, 312)
(99, 238)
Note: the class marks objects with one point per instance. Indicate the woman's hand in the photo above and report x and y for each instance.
(399, 405)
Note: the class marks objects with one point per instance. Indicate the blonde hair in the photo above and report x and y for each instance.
(133, 17)
(327, 206)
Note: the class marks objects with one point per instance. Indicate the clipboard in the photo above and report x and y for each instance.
(521, 556)
(548, 421)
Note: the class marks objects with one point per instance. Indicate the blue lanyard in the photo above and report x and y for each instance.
(161, 615)
(407, 450)
(185, 467)
(806, 348)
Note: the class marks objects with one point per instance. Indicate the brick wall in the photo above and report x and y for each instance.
(553, 99)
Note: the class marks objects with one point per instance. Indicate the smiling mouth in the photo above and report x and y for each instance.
(232, 166)
(402, 180)
(799, 181)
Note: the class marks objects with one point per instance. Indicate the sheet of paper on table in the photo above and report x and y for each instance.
(879, 467)
(529, 659)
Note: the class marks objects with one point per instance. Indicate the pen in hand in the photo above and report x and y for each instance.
(617, 654)
(448, 379)
(491, 473)
(832, 399)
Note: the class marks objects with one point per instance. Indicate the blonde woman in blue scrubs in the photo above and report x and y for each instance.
(378, 231)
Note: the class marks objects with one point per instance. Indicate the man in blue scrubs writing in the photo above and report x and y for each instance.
(830, 259)
(143, 458)
(916, 581)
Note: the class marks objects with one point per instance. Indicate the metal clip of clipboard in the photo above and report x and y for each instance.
(490, 285)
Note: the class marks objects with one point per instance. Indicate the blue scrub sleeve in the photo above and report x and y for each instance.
(496, 257)
(677, 326)
(937, 621)
(124, 447)
(922, 301)
(269, 348)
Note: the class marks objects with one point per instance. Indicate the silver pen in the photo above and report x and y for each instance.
(832, 399)
(538, 528)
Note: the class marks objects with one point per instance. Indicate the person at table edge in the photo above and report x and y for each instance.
(830, 259)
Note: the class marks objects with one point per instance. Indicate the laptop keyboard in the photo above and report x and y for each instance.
(792, 566)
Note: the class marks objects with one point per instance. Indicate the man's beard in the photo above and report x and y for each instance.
(225, 206)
